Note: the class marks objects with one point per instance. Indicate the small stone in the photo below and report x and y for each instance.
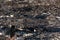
(11, 15)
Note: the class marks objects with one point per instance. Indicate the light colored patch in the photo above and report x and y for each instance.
(11, 15)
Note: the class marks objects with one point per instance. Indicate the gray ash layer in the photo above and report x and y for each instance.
(30, 19)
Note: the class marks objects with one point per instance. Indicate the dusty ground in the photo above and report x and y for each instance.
(31, 13)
